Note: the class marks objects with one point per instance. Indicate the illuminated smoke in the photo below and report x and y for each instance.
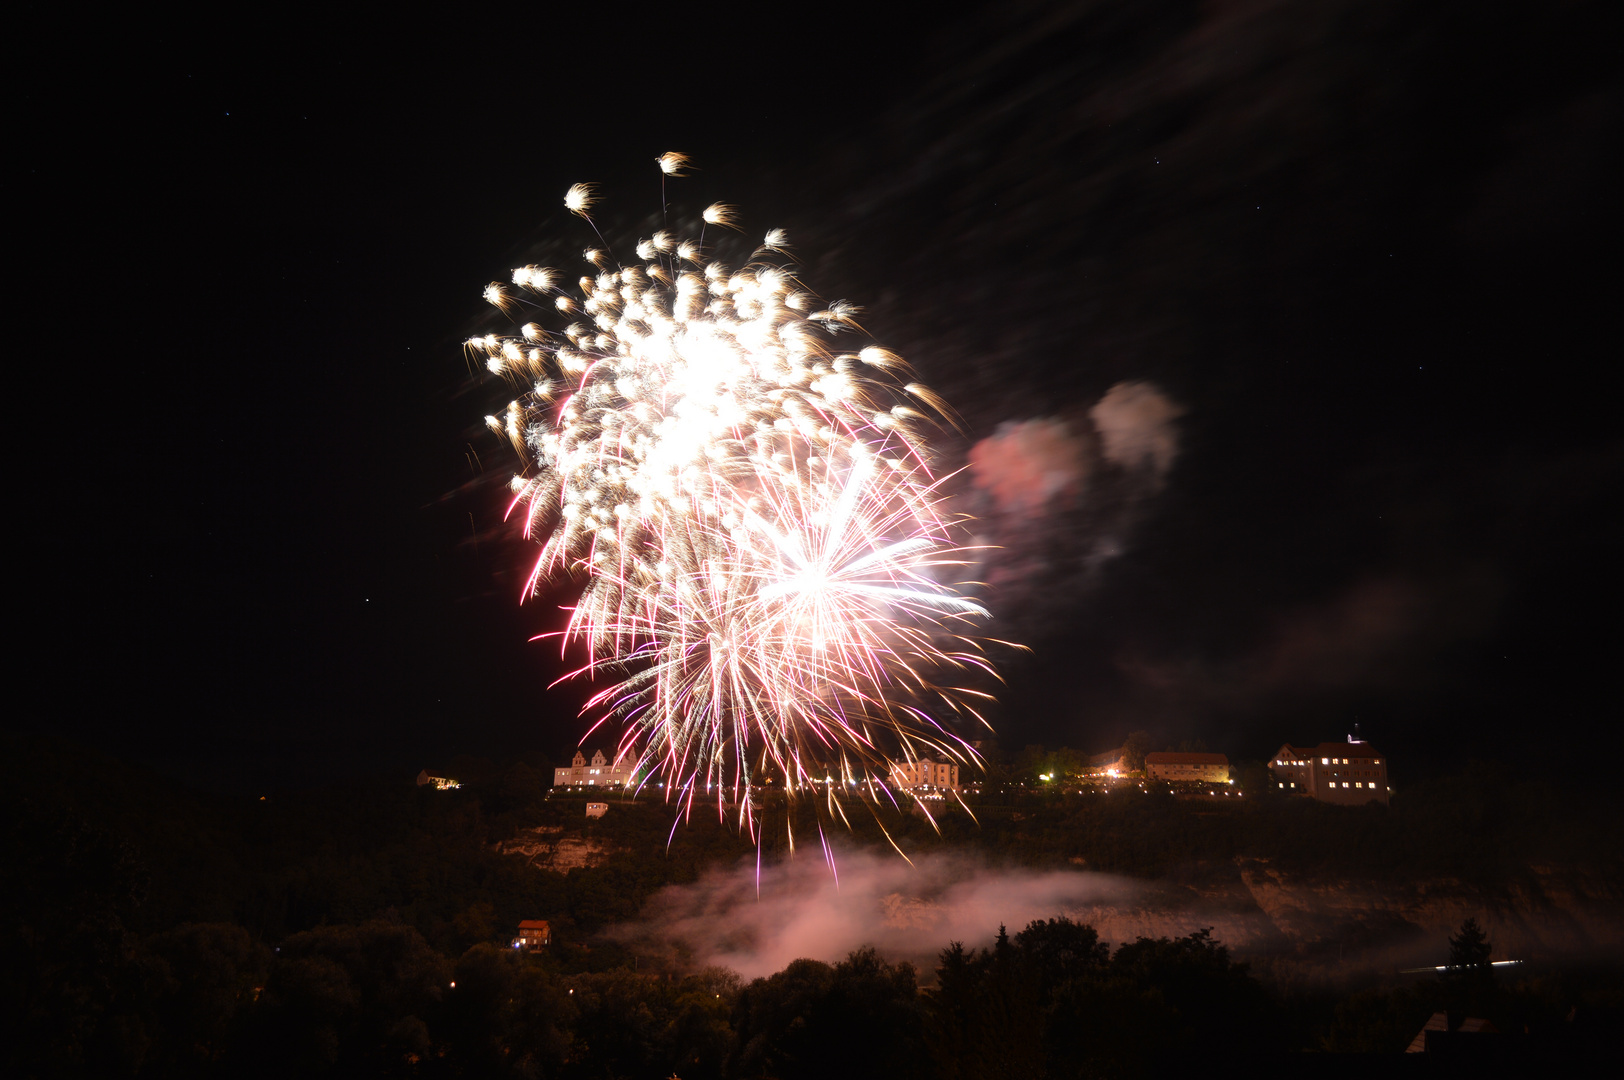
(1027, 463)
(1136, 425)
(1059, 497)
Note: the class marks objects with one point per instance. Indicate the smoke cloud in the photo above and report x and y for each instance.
(1136, 425)
(1058, 497)
(905, 911)
(1029, 462)
(1296, 929)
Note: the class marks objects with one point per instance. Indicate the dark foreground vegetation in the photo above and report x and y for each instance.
(361, 931)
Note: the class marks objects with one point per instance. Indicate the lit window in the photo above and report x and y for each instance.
(1344, 783)
(1358, 783)
(1325, 761)
(1281, 785)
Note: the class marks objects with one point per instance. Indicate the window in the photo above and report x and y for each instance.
(1344, 783)
(1325, 761)
(1358, 783)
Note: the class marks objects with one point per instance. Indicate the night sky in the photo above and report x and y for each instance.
(1370, 250)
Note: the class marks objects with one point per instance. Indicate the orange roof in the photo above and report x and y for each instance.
(1166, 758)
(534, 924)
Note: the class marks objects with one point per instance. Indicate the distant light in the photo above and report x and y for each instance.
(1445, 967)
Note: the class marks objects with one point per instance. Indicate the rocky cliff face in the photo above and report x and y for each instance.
(1319, 927)
(546, 848)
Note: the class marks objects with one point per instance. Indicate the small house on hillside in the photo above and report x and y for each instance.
(533, 934)
(596, 809)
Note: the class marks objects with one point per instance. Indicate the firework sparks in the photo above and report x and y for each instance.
(751, 510)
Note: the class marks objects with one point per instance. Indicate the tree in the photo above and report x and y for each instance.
(861, 1018)
(1134, 749)
(1059, 950)
(348, 1000)
(201, 983)
(1469, 952)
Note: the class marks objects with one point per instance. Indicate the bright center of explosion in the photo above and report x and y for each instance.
(751, 511)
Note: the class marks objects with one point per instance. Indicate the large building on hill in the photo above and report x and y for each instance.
(925, 774)
(1351, 773)
(599, 772)
(1169, 765)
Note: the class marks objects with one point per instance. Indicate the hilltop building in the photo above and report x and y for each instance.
(599, 772)
(1205, 768)
(925, 774)
(596, 809)
(1350, 773)
(440, 783)
(534, 934)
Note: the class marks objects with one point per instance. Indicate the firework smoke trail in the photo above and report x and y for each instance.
(751, 510)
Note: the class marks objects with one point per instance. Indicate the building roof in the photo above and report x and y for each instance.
(1170, 758)
(534, 924)
(1335, 749)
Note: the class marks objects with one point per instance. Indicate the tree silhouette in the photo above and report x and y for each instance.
(1469, 950)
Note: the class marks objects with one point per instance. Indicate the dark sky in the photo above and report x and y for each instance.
(1370, 250)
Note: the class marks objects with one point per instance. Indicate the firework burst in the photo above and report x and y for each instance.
(750, 512)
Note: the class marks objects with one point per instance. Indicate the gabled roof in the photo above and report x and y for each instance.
(534, 924)
(1330, 749)
(1341, 749)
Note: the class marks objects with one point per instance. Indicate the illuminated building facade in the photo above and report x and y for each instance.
(925, 774)
(440, 783)
(599, 772)
(596, 809)
(1350, 773)
(1203, 768)
(533, 934)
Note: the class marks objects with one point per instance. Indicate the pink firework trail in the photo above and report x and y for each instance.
(753, 514)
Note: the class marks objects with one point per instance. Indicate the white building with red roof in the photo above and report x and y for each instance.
(1351, 773)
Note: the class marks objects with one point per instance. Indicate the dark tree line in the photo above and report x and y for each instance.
(205, 1000)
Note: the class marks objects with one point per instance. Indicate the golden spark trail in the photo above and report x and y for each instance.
(751, 509)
